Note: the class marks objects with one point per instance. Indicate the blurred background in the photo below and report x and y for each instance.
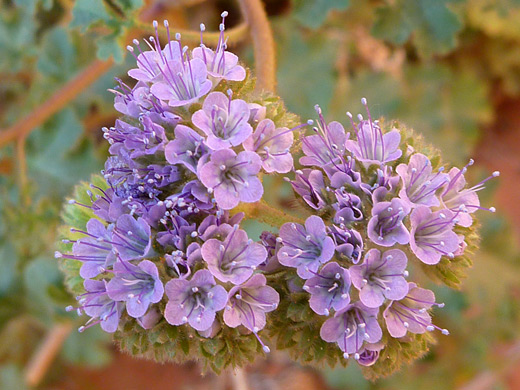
(448, 68)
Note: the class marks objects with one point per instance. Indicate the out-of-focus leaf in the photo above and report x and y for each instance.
(130, 5)
(16, 38)
(8, 260)
(57, 157)
(58, 58)
(305, 71)
(109, 46)
(12, 378)
(87, 348)
(39, 275)
(89, 12)
(312, 13)
(434, 25)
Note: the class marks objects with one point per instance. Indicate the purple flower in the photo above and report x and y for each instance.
(177, 231)
(372, 146)
(150, 319)
(348, 207)
(351, 328)
(108, 205)
(272, 145)
(222, 65)
(348, 242)
(256, 113)
(138, 141)
(131, 238)
(329, 289)
(233, 178)
(420, 186)
(137, 285)
(234, 259)
(181, 262)
(431, 235)
(309, 184)
(380, 276)
(194, 301)
(386, 226)
(327, 148)
(151, 62)
(248, 303)
(272, 244)
(184, 82)
(97, 304)
(132, 101)
(94, 250)
(455, 196)
(369, 354)
(186, 148)
(411, 313)
(223, 120)
(305, 247)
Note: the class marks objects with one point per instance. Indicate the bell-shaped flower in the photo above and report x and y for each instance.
(186, 148)
(432, 235)
(329, 289)
(386, 226)
(232, 178)
(380, 276)
(273, 145)
(194, 302)
(305, 247)
(352, 328)
(224, 120)
(410, 314)
(234, 259)
(420, 186)
(137, 285)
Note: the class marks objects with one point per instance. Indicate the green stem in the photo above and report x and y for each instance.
(262, 212)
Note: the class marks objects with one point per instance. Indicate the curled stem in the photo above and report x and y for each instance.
(263, 43)
(262, 212)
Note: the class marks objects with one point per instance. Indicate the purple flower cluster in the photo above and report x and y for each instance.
(182, 156)
(384, 200)
(163, 244)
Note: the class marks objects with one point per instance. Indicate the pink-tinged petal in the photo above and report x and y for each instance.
(162, 91)
(253, 192)
(371, 296)
(315, 226)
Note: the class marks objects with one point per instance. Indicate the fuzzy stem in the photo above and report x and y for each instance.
(263, 43)
(262, 212)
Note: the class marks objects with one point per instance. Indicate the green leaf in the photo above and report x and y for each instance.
(88, 12)
(87, 348)
(434, 25)
(58, 58)
(58, 157)
(8, 260)
(130, 5)
(313, 13)
(108, 46)
(306, 66)
(38, 276)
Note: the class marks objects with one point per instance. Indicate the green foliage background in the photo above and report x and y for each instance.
(437, 66)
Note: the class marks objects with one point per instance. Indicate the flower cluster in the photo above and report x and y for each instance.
(163, 245)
